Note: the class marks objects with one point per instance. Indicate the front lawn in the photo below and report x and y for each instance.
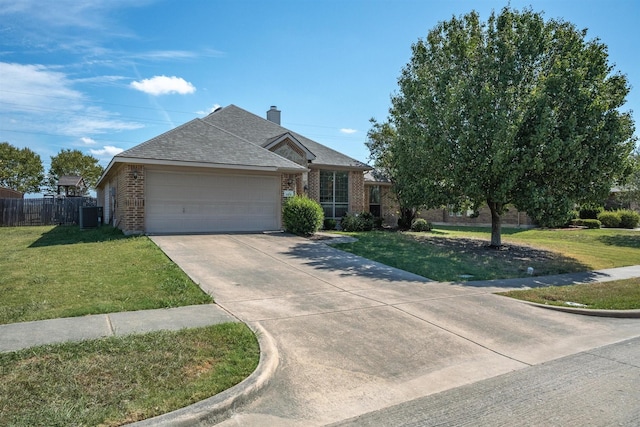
(459, 253)
(615, 295)
(120, 380)
(51, 272)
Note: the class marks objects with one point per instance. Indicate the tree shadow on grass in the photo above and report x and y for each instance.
(70, 235)
(324, 257)
(625, 240)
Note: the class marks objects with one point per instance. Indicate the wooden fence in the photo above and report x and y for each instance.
(45, 211)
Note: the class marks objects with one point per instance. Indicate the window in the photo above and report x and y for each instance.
(334, 193)
(374, 200)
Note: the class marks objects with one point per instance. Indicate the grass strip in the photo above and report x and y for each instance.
(459, 253)
(614, 295)
(52, 272)
(119, 380)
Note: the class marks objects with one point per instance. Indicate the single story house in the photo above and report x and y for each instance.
(228, 171)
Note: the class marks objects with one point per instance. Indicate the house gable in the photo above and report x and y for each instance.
(289, 147)
(263, 132)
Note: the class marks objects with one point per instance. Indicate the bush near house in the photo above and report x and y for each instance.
(590, 211)
(363, 221)
(329, 224)
(421, 225)
(623, 218)
(629, 218)
(302, 215)
(609, 219)
(589, 223)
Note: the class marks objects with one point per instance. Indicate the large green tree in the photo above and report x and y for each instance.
(74, 162)
(516, 110)
(20, 169)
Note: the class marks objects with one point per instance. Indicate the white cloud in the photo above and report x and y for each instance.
(162, 85)
(348, 131)
(35, 87)
(88, 141)
(209, 111)
(42, 98)
(107, 150)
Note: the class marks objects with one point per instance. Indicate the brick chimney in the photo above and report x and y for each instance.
(273, 115)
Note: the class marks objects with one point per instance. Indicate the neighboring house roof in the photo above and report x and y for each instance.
(376, 176)
(231, 137)
(261, 131)
(8, 193)
(70, 181)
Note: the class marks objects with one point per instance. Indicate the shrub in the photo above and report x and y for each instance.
(302, 215)
(589, 223)
(421, 225)
(590, 211)
(609, 219)
(629, 218)
(377, 222)
(363, 221)
(329, 224)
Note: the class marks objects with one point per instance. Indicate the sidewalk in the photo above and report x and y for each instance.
(16, 336)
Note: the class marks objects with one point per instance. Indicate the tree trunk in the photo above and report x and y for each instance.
(496, 224)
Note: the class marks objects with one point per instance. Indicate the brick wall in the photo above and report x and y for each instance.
(356, 192)
(511, 218)
(297, 185)
(314, 184)
(134, 199)
(128, 211)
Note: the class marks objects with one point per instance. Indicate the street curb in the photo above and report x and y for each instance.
(220, 406)
(621, 314)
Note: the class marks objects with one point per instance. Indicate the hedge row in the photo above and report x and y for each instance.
(623, 218)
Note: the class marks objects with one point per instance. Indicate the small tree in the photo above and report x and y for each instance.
(73, 162)
(380, 138)
(20, 169)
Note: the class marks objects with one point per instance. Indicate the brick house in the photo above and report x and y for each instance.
(229, 171)
(381, 201)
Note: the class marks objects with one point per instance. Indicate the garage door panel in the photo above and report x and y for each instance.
(187, 202)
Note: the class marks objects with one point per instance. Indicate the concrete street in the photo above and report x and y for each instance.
(354, 336)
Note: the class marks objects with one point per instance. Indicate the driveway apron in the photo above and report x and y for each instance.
(355, 336)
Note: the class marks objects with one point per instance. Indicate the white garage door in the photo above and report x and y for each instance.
(178, 202)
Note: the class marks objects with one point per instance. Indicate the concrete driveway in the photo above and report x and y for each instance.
(355, 336)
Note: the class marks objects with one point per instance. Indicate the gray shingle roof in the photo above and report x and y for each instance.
(69, 180)
(259, 131)
(201, 142)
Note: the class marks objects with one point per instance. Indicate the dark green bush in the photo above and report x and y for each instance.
(377, 222)
(629, 218)
(329, 224)
(589, 223)
(609, 219)
(363, 221)
(302, 216)
(421, 225)
(590, 211)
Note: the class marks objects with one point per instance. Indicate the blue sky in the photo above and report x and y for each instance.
(105, 75)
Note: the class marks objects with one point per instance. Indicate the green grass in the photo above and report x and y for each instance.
(615, 295)
(51, 272)
(119, 380)
(449, 252)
